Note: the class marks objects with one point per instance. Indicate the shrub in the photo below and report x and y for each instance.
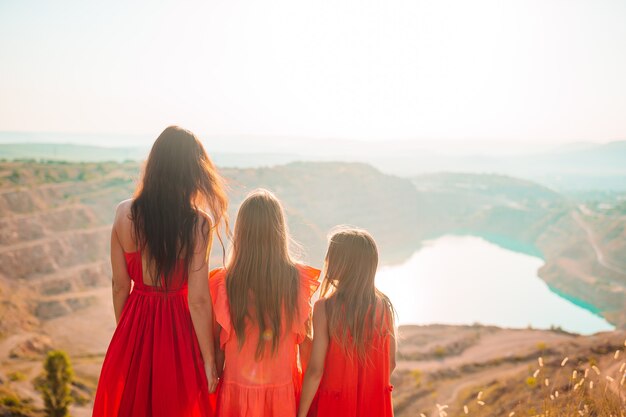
(10, 401)
(13, 406)
(531, 382)
(17, 376)
(440, 352)
(417, 377)
(55, 386)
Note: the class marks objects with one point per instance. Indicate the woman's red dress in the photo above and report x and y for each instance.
(153, 366)
(350, 388)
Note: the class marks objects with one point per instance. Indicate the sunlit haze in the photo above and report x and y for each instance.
(514, 72)
(480, 143)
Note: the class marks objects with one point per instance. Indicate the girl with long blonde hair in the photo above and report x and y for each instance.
(354, 345)
(262, 308)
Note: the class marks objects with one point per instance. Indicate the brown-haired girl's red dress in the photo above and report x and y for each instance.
(350, 388)
(153, 366)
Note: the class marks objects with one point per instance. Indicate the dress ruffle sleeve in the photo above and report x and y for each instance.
(221, 308)
(308, 285)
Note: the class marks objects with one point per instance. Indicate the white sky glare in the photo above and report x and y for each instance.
(503, 70)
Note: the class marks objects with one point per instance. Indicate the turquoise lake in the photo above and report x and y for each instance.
(466, 280)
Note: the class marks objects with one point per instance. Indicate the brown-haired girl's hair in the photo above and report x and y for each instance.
(262, 278)
(353, 302)
(179, 181)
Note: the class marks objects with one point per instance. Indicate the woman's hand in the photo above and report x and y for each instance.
(211, 376)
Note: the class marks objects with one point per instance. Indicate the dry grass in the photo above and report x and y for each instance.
(562, 387)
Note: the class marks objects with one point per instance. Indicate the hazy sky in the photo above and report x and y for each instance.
(510, 70)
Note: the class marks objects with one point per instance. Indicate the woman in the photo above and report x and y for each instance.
(354, 346)
(161, 360)
(262, 308)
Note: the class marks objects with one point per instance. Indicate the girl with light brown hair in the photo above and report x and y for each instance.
(262, 307)
(354, 343)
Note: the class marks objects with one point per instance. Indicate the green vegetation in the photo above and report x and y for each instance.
(11, 405)
(56, 384)
(34, 173)
(15, 176)
(417, 377)
(440, 352)
(17, 376)
(10, 400)
(531, 382)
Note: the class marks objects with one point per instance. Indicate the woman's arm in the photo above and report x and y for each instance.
(219, 361)
(199, 299)
(315, 368)
(120, 282)
(393, 346)
(219, 353)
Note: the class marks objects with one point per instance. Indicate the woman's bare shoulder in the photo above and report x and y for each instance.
(123, 210)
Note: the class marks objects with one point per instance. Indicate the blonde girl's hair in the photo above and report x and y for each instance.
(261, 279)
(353, 302)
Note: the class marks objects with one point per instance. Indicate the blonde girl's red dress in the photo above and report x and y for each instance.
(153, 366)
(271, 386)
(350, 388)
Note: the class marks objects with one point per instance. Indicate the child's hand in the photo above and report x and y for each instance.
(211, 376)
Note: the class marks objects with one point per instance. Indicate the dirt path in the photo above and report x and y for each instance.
(449, 394)
(593, 241)
(502, 344)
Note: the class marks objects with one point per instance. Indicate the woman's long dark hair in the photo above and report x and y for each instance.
(179, 179)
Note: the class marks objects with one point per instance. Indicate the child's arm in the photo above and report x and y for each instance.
(305, 348)
(315, 368)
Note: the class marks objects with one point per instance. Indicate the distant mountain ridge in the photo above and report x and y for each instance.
(69, 152)
(569, 168)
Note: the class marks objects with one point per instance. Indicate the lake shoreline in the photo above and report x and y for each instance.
(466, 279)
